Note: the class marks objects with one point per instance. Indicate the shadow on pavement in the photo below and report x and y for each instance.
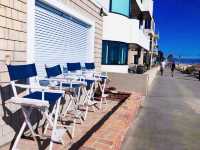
(97, 126)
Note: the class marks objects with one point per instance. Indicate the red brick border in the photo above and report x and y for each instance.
(111, 135)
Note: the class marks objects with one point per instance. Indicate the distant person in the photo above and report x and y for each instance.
(162, 67)
(173, 67)
(199, 74)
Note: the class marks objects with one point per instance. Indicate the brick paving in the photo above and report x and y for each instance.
(103, 130)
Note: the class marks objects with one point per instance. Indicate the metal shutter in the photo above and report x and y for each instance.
(59, 38)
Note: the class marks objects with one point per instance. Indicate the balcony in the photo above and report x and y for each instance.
(148, 7)
(150, 29)
(120, 28)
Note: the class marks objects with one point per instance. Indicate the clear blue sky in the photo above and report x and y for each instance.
(178, 22)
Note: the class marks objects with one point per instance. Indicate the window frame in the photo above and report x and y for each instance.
(130, 10)
(118, 42)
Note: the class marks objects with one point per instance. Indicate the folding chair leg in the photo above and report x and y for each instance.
(77, 114)
(55, 123)
(101, 103)
(73, 128)
(71, 104)
(50, 118)
(19, 136)
(106, 100)
(86, 112)
(67, 109)
(26, 113)
(26, 116)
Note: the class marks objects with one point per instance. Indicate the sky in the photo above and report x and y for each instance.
(178, 23)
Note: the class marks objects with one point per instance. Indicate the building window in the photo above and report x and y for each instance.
(114, 53)
(140, 23)
(147, 24)
(120, 7)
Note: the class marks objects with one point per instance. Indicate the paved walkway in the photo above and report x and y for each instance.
(170, 118)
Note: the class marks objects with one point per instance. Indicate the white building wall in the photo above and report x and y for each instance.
(120, 28)
(140, 5)
(148, 6)
(104, 3)
(115, 68)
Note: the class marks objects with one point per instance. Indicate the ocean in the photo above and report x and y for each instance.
(187, 61)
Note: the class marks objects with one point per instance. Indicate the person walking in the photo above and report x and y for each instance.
(173, 67)
(162, 67)
(199, 74)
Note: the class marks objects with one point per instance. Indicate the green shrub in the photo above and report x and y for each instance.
(190, 70)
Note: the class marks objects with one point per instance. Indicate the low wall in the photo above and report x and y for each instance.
(133, 82)
(129, 82)
(151, 75)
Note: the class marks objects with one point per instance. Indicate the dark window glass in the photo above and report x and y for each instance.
(136, 59)
(140, 23)
(148, 24)
(120, 7)
(114, 53)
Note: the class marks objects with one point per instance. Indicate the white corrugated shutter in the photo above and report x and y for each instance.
(59, 38)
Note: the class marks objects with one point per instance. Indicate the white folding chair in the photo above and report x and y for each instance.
(72, 89)
(102, 82)
(37, 97)
(74, 69)
(88, 92)
(101, 78)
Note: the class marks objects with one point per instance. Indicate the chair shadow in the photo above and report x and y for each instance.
(15, 119)
(98, 125)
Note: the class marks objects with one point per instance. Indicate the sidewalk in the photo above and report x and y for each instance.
(170, 117)
(103, 130)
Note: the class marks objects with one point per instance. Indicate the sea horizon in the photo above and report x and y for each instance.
(190, 61)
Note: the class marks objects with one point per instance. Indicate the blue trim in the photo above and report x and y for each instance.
(21, 72)
(67, 85)
(50, 97)
(53, 71)
(89, 66)
(74, 66)
(41, 4)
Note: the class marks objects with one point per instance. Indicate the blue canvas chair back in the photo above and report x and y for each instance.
(89, 66)
(53, 71)
(21, 72)
(72, 67)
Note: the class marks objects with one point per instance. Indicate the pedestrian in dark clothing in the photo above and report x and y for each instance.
(173, 67)
(199, 75)
(162, 67)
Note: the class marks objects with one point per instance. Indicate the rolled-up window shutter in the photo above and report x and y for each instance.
(59, 38)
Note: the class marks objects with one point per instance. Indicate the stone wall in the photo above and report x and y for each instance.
(12, 49)
(12, 34)
(13, 30)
